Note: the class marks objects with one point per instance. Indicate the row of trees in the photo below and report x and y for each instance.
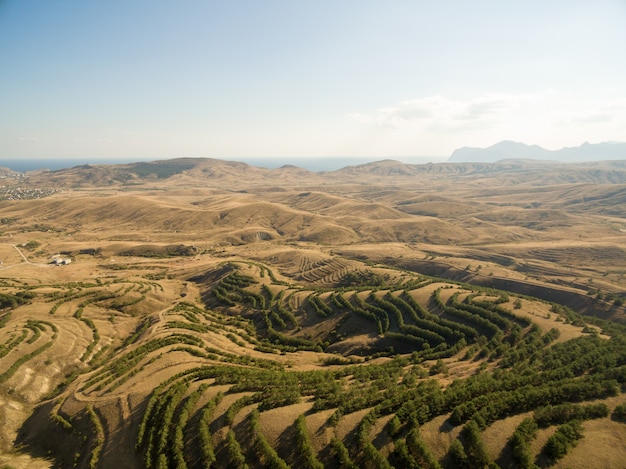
(396, 317)
(538, 372)
(36, 327)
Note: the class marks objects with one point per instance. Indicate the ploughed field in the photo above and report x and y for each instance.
(199, 313)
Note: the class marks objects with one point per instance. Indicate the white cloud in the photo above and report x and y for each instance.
(439, 124)
(618, 105)
(615, 111)
(441, 114)
(23, 139)
(105, 140)
(360, 117)
(593, 117)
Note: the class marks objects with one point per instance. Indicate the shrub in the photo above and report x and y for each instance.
(565, 437)
(619, 413)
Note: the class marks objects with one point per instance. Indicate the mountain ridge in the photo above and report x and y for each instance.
(508, 149)
(230, 175)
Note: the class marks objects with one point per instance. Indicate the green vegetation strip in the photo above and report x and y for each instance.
(29, 356)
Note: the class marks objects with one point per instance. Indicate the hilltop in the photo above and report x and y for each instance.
(200, 172)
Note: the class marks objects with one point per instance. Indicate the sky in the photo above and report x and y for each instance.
(300, 79)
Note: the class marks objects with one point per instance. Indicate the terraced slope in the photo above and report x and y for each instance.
(354, 374)
(205, 321)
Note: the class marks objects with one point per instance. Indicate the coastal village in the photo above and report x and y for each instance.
(20, 191)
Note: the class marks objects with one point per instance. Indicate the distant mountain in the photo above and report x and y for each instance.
(517, 167)
(514, 150)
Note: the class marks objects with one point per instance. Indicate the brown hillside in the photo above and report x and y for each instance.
(197, 312)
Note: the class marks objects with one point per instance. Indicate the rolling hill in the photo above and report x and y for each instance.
(215, 314)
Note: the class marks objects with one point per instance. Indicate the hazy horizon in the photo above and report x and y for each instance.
(290, 80)
(311, 164)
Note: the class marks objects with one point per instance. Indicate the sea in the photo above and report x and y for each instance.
(310, 163)
(23, 165)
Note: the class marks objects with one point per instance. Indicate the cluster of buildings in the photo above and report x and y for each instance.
(57, 260)
(23, 193)
(6, 173)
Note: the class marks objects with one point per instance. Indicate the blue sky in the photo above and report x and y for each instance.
(240, 79)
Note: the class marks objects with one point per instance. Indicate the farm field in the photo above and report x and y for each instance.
(201, 313)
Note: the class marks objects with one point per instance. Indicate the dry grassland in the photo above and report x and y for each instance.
(201, 292)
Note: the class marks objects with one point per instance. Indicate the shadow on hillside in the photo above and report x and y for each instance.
(41, 437)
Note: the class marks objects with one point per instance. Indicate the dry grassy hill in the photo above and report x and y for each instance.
(201, 313)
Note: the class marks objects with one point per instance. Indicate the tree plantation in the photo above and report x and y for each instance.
(365, 322)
